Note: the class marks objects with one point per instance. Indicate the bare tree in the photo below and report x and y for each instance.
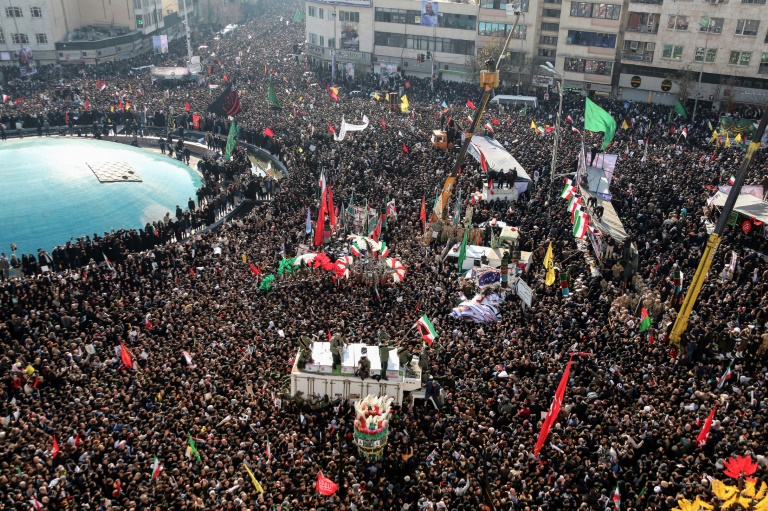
(686, 82)
(728, 85)
(489, 51)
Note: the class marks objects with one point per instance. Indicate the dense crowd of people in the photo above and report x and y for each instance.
(632, 411)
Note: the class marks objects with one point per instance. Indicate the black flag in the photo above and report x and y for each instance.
(227, 104)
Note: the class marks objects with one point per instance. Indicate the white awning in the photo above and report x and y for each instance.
(747, 205)
(609, 223)
(496, 157)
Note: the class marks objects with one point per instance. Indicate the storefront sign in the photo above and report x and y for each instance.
(666, 85)
(357, 57)
(315, 50)
(636, 81)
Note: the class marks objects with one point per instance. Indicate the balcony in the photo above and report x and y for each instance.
(644, 29)
(763, 69)
(637, 57)
(654, 2)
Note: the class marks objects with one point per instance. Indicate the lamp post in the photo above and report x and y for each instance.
(558, 78)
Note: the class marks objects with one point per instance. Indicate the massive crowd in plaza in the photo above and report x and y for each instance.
(633, 409)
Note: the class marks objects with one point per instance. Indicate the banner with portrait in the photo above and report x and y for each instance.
(160, 43)
(27, 64)
(428, 13)
(349, 71)
(350, 40)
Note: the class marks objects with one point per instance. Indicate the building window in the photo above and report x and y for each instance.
(553, 1)
(312, 11)
(763, 69)
(41, 38)
(460, 21)
(331, 42)
(705, 55)
(36, 12)
(390, 15)
(2, 36)
(671, 51)
(646, 23)
(501, 29)
(740, 58)
(320, 13)
(638, 50)
(349, 16)
(677, 22)
(425, 43)
(322, 41)
(551, 13)
(594, 67)
(747, 27)
(548, 39)
(583, 38)
(551, 27)
(502, 4)
(312, 38)
(20, 38)
(413, 17)
(543, 52)
(711, 25)
(759, 2)
(14, 12)
(595, 10)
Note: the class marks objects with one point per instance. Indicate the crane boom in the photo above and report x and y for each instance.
(489, 79)
(681, 322)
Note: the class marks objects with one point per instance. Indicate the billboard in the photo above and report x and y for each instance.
(428, 13)
(350, 40)
(349, 71)
(27, 64)
(160, 43)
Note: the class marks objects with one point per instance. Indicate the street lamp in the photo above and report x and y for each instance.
(549, 68)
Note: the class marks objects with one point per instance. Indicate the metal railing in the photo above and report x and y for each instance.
(637, 57)
(644, 29)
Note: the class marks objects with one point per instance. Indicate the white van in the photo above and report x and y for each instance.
(515, 100)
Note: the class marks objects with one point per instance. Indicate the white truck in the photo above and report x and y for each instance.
(319, 379)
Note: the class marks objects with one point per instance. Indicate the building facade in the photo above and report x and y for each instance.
(643, 50)
(87, 31)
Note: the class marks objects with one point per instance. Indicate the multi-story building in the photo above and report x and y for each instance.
(86, 31)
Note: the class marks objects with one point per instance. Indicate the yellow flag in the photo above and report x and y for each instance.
(533, 125)
(376, 96)
(130, 89)
(127, 106)
(727, 140)
(404, 100)
(549, 257)
(714, 136)
(301, 97)
(550, 278)
(245, 259)
(737, 139)
(112, 108)
(256, 484)
(335, 90)
(387, 96)
(624, 125)
(404, 108)
(29, 370)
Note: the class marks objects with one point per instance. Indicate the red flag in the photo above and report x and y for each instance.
(471, 105)
(120, 105)
(320, 226)
(423, 214)
(66, 118)
(125, 356)
(255, 270)
(490, 186)
(85, 106)
(330, 208)
(702, 439)
(196, 121)
(335, 97)
(186, 106)
(55, 449)
(550, 129)
(495, 121)
(268, 132)
(554, 410)
(331, 129)
(192, 272)
(484, 163)
(405, 148)
(384, 124)
(325, 485)
(329, 335)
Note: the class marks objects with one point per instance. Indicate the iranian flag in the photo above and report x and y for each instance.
(156, 468)
(580, 225)
(732, 180)
(426, 329)
(568, 190)
(102, 86)
(617, 497)
(645, 320)
(725, 377)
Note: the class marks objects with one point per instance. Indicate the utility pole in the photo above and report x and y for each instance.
(186, 29)
(701, 70)
(681, 322)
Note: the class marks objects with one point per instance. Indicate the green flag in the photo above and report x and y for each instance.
(193, 448)
(645, 320)
(597, 119)
(272, 96)
(299, 15)
(524, 112)
(680, 110)
(463, 249)
(231, 140)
